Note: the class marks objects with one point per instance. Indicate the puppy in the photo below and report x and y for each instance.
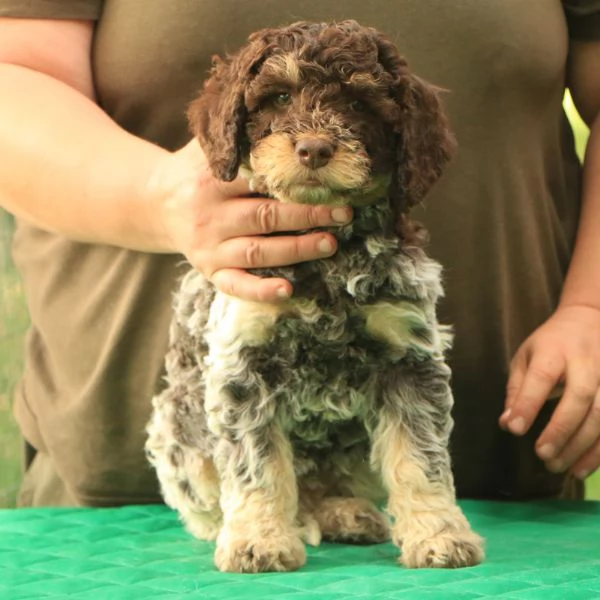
(289, 423)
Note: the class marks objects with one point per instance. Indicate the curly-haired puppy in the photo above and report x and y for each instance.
(284, 423)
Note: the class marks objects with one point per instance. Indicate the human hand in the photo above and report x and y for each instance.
(221, 232)
(564, 351)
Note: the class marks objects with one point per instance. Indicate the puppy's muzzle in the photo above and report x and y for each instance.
(314, 152)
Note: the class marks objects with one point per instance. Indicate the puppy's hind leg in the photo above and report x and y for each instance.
(188, 479)
(410, 447)
(351, 521)
(196, 497)
(343, 496)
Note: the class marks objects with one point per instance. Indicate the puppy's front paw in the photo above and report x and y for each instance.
(241, 554)
(448, 549)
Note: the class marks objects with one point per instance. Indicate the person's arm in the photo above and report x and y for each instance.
(68, 168)
(565, 351)
(582, 286)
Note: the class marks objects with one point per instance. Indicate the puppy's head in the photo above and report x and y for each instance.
(323, 113)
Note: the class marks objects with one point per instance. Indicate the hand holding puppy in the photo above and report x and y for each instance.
(221, 229)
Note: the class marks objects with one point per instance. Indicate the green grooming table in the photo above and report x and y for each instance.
(540, 550)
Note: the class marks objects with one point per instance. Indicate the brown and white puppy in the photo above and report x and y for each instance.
(285, 423)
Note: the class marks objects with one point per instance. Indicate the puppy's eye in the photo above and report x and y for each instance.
(282, 99)
(358, 106)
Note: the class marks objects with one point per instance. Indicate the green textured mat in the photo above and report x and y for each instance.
(545, 550)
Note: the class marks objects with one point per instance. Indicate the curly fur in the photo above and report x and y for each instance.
(289, 422)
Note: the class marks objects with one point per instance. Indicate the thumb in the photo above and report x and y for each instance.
(193, 153)
(516, 376)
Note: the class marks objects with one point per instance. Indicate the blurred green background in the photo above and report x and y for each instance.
(13, 325)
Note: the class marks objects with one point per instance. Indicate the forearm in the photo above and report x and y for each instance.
(68, 168)
(582, 286)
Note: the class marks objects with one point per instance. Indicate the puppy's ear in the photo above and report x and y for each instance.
(218, 116)
(424, 140)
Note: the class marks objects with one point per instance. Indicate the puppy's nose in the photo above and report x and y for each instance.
(314, 153)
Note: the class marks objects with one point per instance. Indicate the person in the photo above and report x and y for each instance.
(110, 191)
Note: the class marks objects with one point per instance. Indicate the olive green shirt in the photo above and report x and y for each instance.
(502, 221)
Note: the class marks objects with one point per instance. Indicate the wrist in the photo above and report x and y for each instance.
(582, 287)
(170, 194)
(152, 195)
(586, 301)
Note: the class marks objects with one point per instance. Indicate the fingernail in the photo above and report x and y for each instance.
(556, 466)
(325, 246)
(517, 426)
(283, 292)
(583, 474)
(546, 452)
(341, 215)
(504, 416)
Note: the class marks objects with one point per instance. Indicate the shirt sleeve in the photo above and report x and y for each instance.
(52, 9)
(583, 19)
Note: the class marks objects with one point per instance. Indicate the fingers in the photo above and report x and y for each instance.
(260, 252)
(529, 387)
(585, 437)
(239, 283)
(588, 463)
(262, 216)
(240, 241)
(563, 353)
(571, 440)
(515, 381)
(570, 415)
